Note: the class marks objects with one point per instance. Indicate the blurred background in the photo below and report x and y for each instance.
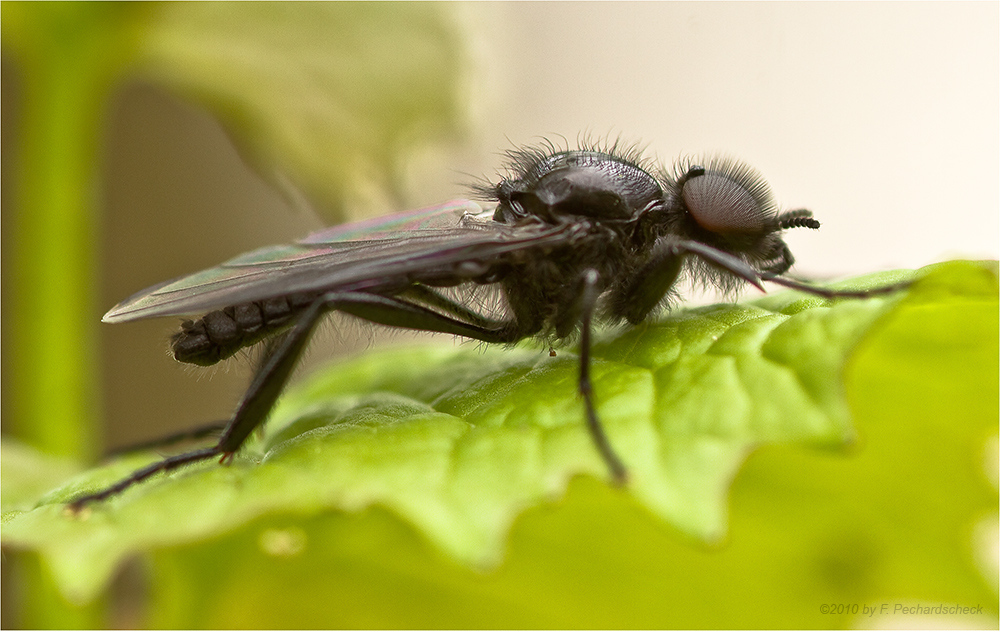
(144, 142)
(881, 118)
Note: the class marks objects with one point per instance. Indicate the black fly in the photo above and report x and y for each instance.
(575, 236)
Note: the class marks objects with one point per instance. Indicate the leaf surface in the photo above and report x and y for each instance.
(459, 442)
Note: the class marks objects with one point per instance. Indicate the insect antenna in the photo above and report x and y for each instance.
(800, 218)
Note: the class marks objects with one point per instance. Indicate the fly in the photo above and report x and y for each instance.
(572, 237)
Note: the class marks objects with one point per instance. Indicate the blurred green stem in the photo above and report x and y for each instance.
(69, 55)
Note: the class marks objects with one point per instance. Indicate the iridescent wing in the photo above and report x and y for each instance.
(358, 256)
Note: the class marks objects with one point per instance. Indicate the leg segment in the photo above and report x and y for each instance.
(195, 433)
(831, 293)
(649, 284)
(273, 375)
(401, 313)
(588, 302)
(644, 289)
(425, 295)
(167, 464)
(270, 379)
(267, 384)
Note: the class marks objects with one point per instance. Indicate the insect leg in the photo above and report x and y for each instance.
(274, 373)
(384, 310)
(588, 302)
(430, 297)
(650, 283)
(196, 433)
(270, 380)
(747, 273)
(167, 464)
(713, 256)
(401, 313)
(267, 384)
(645, 288)
(832, 293)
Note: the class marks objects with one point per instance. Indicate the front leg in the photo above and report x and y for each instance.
(646, 287)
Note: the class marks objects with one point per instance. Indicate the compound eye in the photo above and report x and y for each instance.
(728, 198)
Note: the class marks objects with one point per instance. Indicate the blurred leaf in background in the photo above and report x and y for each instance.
(333, 96)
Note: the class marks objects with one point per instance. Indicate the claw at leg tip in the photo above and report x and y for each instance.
(77, 510)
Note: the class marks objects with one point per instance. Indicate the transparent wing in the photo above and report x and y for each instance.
(365, 255)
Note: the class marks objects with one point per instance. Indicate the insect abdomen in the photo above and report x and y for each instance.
(221, 334)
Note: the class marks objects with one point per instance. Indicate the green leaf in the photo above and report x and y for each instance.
(333, 94)
(458, 443)
(336, 95)
(28, 473)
